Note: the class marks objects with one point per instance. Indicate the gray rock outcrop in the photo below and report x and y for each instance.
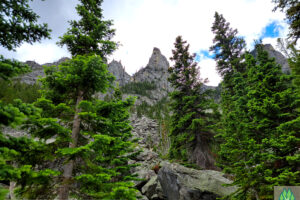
(119, 72)
(37, 71)
(182, 183)
(156, 71)
(279, 57)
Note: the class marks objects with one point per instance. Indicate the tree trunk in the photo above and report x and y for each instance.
(68, 167)
(202, 156)
(12, 186)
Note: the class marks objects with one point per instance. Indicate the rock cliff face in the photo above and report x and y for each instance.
(119, 72)
(279, 58)
(156, 71)
(37, 71)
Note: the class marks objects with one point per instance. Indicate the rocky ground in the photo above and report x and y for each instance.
(164, 180)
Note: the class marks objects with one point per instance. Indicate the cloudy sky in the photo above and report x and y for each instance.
(143, 24)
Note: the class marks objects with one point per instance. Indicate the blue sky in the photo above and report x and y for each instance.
(272, 30)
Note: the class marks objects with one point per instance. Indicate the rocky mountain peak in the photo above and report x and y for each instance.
(117, 69)
(157, 60)
(34, 65)
(63, 59)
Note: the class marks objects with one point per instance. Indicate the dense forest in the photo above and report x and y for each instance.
(78, 146)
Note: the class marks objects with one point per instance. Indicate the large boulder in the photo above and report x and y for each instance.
(153, 189)
(182, 183)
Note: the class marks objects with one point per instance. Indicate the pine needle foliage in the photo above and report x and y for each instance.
(190, 122)
(91, 34)
(262, 152)
(100, 168)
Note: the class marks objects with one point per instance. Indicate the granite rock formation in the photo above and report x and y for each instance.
(155, 71)
(119, 72)
(37, 71)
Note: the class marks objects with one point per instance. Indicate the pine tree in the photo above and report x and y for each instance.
(18, 24)
(91, 137)
(264, 145)
(91, 34)
(190, 122)
(229, 52)
(88, 36)
(228, 49)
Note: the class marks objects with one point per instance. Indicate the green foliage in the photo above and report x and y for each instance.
(19, 155)
(17, 90)
(106, 172)
(103, 144)
(294, 63)
(292, 12)
(227, 48)
(190, 122)
(261, 151)
(140, 88)
(82, 73)
(10, 68)
(3, 192)
(18, 24)
(91, 34)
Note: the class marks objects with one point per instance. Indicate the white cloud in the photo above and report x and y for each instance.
(144, 24)
(40, 52)
(208, 70)
(158, 22)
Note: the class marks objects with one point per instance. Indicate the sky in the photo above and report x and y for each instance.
(142, 25)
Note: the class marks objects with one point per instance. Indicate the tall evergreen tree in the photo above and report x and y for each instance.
(264, 146)
(89, 138)
(191, 124)
(228, 49)
(91, 34)
(18, 24)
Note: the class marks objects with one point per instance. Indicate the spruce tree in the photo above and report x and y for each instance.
(264, 145)
(88, 36)
(83, 144)
(191, 124)
(18, 24)
(228, 49)
(91, 34)
(229, 52)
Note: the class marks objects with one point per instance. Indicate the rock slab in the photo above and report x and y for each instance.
(182, 183)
